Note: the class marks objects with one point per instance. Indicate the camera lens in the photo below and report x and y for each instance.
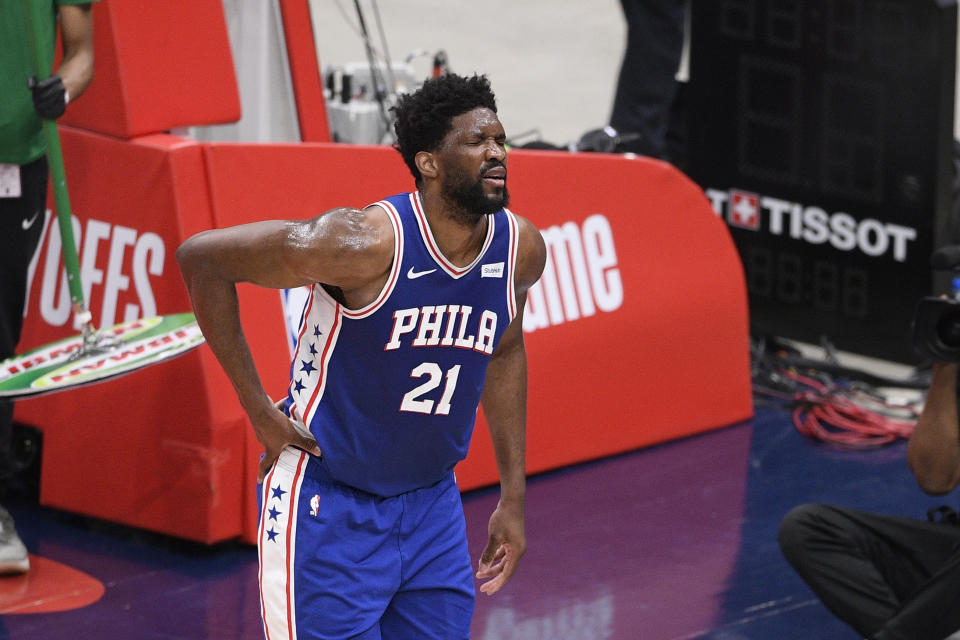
(948, 328)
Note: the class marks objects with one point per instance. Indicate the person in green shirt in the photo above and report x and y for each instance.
(24, 100)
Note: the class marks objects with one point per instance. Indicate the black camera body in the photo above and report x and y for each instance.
(936, 324)
(936, 329)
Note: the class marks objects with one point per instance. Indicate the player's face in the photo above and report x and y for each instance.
(475, 163)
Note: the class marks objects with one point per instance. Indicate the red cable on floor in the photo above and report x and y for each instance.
(830, 414)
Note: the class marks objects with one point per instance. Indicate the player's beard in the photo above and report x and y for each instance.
(470, 200)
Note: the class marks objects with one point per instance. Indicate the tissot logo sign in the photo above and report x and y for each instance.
(812, 224)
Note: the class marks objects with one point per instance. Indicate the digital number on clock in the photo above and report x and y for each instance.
(792, 279)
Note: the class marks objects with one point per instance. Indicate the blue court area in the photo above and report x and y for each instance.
(672, 542)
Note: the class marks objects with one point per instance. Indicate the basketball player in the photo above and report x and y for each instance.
(414, 317)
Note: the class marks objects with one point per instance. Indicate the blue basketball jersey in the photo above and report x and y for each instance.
(390, 391)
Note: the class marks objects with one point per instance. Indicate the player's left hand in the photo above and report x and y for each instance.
(506, 546)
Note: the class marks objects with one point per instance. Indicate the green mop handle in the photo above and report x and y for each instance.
(42, 63)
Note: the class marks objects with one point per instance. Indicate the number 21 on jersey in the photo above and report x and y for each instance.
(414, 400)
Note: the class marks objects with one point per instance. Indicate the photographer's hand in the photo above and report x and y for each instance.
(933, 452)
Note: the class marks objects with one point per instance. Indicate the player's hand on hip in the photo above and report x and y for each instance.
(506, 546)
(275, 431)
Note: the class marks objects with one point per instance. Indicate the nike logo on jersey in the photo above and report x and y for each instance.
(27, 223)
(413, 275)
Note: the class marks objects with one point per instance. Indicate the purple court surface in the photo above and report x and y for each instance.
(671, 542)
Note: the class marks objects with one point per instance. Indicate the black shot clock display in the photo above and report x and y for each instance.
(822, 132)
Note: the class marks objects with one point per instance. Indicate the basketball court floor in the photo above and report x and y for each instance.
(672, 542)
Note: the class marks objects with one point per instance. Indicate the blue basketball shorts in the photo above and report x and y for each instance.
(338, 563)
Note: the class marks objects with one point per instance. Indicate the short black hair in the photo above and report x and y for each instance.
(425, 116)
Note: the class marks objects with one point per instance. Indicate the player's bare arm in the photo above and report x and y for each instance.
(344, 248)
(504, 405)
(933, 452)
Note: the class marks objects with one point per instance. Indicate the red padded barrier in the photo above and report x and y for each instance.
(161, 448)
(158, 68)
(668, 358)
(638, 329)
(672, 360)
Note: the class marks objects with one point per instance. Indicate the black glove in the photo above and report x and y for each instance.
(49, 97)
